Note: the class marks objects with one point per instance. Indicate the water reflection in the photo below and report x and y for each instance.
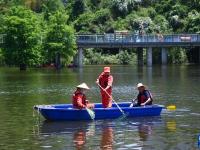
(102, 134)
(149, 75)
(107, 137)
(79, 139)
(20, 91)
(171, 125)
(144, 131)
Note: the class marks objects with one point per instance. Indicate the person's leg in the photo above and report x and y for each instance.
(106, 100)
(103, 98)
(109, 97)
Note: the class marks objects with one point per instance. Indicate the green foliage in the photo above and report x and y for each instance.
(60, 37)
(193, 22)
(93, 22)
(1, 57)
(124, 57)
(55, 20)
(162, 25)
(78, 7)
(22, 38)
(121, 8)
(52, 6)
(177, 56)
(97, 58)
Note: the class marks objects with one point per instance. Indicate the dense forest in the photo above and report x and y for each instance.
(38, 32)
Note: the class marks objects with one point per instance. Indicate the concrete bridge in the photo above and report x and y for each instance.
(129, 40)
(135, 41)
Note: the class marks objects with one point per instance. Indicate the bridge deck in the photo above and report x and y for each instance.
(131, 40)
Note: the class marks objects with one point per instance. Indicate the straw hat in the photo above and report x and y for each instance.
(140, 85)
(83, 86)
(106, 69)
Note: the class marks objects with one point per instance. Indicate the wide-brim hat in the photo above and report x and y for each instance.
(83, 86)
(106, 69)
(140, 85)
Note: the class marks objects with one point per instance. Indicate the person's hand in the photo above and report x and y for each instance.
(143, 104)
(97, 82)
(104, 89)
(134, 101)
(107, 88)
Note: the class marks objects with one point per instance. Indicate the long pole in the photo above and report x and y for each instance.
(112, 99)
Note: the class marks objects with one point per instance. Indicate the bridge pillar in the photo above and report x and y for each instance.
(78, 59)
(149, 56)
(140, 56)
(164, 56)
(199, 55)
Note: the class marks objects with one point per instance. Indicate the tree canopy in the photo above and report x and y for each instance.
(22, 38)
(37, 31)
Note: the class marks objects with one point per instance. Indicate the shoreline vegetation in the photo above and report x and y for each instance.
(42, 33)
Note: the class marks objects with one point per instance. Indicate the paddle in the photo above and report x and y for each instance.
(112, 99)
(91, 113)
(171, 107)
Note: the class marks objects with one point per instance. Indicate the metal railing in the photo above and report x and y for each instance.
(173, 39)
(132, 38)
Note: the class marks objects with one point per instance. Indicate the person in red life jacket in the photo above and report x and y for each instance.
(79, 99)
(105, 80)
(143, 98)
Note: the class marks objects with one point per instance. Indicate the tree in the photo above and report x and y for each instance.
(22, 38)
(52, 6)
(122, 7)
(60, 41)
(193, 21)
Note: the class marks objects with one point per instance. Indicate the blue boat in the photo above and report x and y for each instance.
(64, 112)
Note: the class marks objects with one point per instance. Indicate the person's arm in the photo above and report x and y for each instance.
(148, 100)
(110, 82)
(79, 102)
(97, 81)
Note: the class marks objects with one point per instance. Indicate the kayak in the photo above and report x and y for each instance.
(65, 112)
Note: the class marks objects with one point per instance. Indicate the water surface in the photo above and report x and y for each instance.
(20, 91)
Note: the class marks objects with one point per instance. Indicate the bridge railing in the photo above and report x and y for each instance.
(132, 38)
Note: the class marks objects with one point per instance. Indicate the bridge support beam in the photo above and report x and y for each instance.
(140, 56)
(78, 59)
(199, 55)
(164, 56)
(149, 56)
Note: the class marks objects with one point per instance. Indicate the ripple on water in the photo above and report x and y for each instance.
(46, 146)
(195, 114)
(183, 110)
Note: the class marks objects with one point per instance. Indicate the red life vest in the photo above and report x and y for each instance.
(79, 100)
(105, 80)
(143, 97)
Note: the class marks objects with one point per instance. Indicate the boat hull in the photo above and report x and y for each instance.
(63, 112)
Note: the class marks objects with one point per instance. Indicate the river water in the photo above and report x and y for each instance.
(20, 91)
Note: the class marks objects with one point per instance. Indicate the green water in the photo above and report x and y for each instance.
(20, 91)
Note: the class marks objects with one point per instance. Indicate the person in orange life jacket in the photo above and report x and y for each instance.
(105, 80)
(143, 98)
(79, 99)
